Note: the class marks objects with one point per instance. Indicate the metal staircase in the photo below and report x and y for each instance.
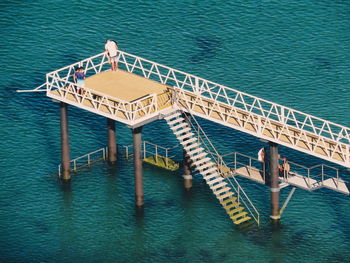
(206, 162)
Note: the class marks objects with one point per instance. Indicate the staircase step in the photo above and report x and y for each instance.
(228, 207)
(203, 166)
(181, 131)
(234, 218)
(211, 176)
(217, 186)
(222, 197)
(209, 171)
(197, 150)
(236, 210)
(181, 125)
(216, 180)
(200, 161)
(187, 135)
(199, 156)
(187, 148)
(242, 220)
(223, 190)
(172, 115)
(170, 123)
(189, 141)
(232, 199)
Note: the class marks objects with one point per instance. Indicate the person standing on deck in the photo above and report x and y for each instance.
(286, 168)
(111, 48)
(79, 78)
(262, 159)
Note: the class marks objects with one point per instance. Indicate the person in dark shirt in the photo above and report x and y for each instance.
(79, 78)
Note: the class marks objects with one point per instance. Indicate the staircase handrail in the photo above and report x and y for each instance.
(240, 189)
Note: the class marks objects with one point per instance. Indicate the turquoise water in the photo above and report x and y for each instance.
(292, 52)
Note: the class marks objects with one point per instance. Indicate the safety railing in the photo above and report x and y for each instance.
(209, 148)
(236, 160)
(101, 102)
(163, 156)
(314, 177)
(86, 160)
(337, 137)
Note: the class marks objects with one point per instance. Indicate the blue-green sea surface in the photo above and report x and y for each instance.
(296, 53)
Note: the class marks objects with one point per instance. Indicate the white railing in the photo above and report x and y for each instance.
(314, 176)
(333, 139)
(150, 149)
(236, 160)
(86, 159)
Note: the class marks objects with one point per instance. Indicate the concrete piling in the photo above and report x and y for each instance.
(187, 171)
(112, 145)
(274, 184)
(137, 143)
(65, 142)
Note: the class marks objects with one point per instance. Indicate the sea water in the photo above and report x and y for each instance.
(295, 53)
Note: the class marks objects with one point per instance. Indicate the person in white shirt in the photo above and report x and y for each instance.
(111, 48)
(262, 158)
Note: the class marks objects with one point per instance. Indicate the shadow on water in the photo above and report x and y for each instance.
(67, 193)
(206, 48)
(322, 63)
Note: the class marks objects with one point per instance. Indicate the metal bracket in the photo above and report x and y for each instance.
(287, 200)
(37, 89)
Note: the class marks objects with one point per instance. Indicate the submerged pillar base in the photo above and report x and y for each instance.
(187, 181)
(275, 217)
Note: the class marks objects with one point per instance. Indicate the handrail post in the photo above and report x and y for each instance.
(238, 194)
(144, 150)
(89, 159)
(308, 177)
(166, 158)
(127, 152)
(156, 154)
(74, 165)
(235, 161)
(322, 173)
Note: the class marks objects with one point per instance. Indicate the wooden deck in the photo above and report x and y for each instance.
(124, 85)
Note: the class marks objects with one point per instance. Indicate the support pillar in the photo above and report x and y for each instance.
(187, 161)
(112, 145)
(137, 142)
(64, 142)
(274, 184)
(187, 171)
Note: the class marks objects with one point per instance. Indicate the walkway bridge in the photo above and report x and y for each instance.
(142, 91)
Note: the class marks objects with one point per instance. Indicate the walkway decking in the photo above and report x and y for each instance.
(124, 85)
